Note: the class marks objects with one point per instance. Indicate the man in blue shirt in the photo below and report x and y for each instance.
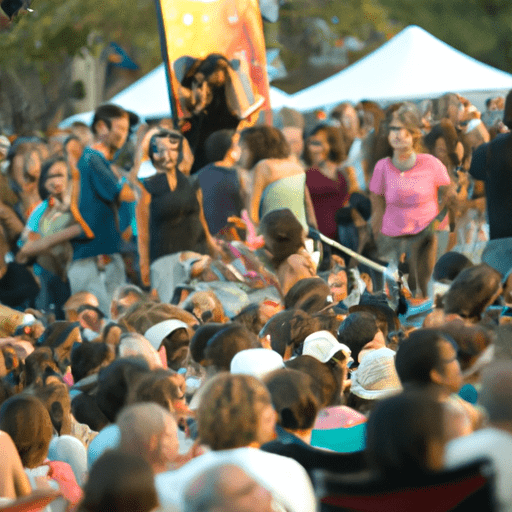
(97, 265)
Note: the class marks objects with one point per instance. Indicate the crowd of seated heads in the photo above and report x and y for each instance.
(172, 381)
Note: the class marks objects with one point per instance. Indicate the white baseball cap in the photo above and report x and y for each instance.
(156, 334)
(322, 345)
(256, 362)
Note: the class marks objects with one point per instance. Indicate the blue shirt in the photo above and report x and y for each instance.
(99, 191)
(221, 195)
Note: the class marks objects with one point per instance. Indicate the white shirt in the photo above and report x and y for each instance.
(494, 444)
(285, 478)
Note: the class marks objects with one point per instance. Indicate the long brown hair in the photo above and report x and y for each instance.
(409, 117)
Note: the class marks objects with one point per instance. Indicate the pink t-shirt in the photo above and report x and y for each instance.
(411, 196)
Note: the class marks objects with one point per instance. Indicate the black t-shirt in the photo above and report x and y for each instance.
(18, 287)
(492, 163)
(174, 223)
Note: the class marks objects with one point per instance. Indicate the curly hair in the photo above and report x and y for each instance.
(443, 130)
(229, 411)
(264, 142)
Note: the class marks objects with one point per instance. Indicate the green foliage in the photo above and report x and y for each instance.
(480, 28)
(61, 28)
(298, 40)
(349, 17)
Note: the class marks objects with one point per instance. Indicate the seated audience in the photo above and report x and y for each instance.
(495, 440)
(374, 379)
(227, 488)
(297, 409)
(119, 482)
(150, 432)
(406, 436)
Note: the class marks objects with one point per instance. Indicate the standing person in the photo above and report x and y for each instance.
(326, 183)
(352, 132)
(97, 264)
(170, 217)
(49, 217)
(492, 164)
(279, 181)
(219, 180)
(443, 142)
(405, 190)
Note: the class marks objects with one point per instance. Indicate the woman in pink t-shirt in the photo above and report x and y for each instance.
(405, 190)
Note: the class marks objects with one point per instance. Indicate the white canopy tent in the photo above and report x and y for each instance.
(412, 65)
(149, 98)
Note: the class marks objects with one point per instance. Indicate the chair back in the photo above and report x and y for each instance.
(466, 488)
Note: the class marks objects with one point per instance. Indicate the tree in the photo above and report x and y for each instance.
(480, 28)
(306, 27)
(36, 52)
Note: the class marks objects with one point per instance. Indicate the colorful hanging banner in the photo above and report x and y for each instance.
(214, 52)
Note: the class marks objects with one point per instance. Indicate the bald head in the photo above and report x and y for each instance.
(226, 488)
(148, 430)
(496, 392)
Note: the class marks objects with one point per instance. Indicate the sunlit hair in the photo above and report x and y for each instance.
(229, 411)
(27, 421)
(409, 117)
(264, 142)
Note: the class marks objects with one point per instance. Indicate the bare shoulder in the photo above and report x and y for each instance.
(278, 168)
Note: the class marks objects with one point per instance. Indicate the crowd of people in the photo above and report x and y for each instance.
(198, 339)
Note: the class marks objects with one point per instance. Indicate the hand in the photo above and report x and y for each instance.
(145, 276)
(30, 249)
(22, 257)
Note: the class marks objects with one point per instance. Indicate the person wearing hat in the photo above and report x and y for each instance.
(173, 352)
(257, 362)
(322, 345)
(374, 379)
(337, 427)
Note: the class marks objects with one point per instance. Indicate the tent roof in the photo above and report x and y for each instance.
(412, 65)
(149, 98)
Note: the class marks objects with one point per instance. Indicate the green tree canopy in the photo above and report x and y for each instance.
(61, 28)
(479, 28)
